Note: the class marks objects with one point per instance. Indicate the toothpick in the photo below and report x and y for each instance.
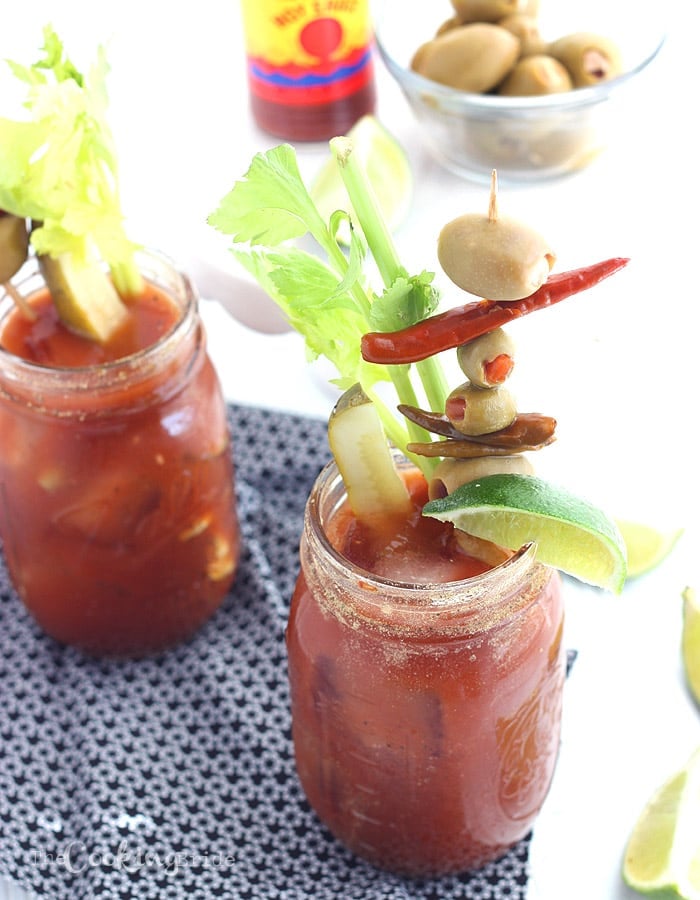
(19, 301)
(493, 198)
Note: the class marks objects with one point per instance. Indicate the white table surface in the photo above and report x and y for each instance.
(625, 382)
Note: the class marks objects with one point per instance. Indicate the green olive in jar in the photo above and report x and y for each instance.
(497, 144)
(497, 258)
(572, 146)
(14, 244)
(534, 76)
(527, 31)
(590, 58)
(561, 144)
(447, 25)
(492, 10)
(473, 58)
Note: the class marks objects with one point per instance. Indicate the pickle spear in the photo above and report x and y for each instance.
(359, 446)
(84, 297)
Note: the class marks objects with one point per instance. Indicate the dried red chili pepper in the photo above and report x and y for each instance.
(448, 330)
(528, 431)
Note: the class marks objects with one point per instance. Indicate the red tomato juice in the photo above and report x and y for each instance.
(425, 738)
(45, 340)
(117, 508)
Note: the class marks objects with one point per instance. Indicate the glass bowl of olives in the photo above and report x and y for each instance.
(513, 85)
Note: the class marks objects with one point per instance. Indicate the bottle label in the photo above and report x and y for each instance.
(306, 52)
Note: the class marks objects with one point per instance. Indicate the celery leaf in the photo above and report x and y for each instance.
(307, 291)
(270, 205)
(324, 295)
(321, 294)
(58, 165)
(407, 301)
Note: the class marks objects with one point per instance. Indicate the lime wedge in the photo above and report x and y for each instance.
(662, 857)
(646, 546)
(511, 510)
(690, 641)
(388, 172)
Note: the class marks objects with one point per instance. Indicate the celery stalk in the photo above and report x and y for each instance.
(58, 169)
(383, 250)
(324, 294)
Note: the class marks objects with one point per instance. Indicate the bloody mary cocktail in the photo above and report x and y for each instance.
(117, 507)
(426, 700)
(426, 685)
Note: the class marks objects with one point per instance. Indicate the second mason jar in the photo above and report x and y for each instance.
(426, 717)
(117, 503)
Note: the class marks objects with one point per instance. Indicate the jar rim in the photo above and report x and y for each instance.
(486, 598)
(147, 258)
(129, 382)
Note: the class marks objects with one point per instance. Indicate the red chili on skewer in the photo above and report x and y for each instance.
(448, 330)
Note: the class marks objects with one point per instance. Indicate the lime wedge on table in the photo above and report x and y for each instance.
(646, 546)
(662, 857)
(388, 172)
(690, 641)
(512, 510)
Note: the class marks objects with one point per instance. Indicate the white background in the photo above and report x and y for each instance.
(616, 368)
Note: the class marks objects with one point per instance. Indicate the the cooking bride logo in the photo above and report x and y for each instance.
(76, 857)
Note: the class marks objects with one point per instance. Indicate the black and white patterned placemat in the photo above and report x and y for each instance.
(173, 777)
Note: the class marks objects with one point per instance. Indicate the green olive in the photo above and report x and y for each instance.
(14, 245)
(419, 55)
(497, 258)
(450, 474)
(526, 30)
(474, 410)
(559, 143)
(590, 58)
(494, 145)
(568, 148)
(473, 356)
(447, 25)
(492, 10)
(472, 58)
(535, 75)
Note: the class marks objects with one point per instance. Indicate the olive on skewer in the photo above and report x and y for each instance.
(14, 245)
(481, 430)
(494, 256)
(14, 248)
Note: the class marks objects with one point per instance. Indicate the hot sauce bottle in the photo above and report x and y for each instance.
(310, 67)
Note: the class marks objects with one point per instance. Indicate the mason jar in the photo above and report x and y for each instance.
(425, 716)
(117, 502)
